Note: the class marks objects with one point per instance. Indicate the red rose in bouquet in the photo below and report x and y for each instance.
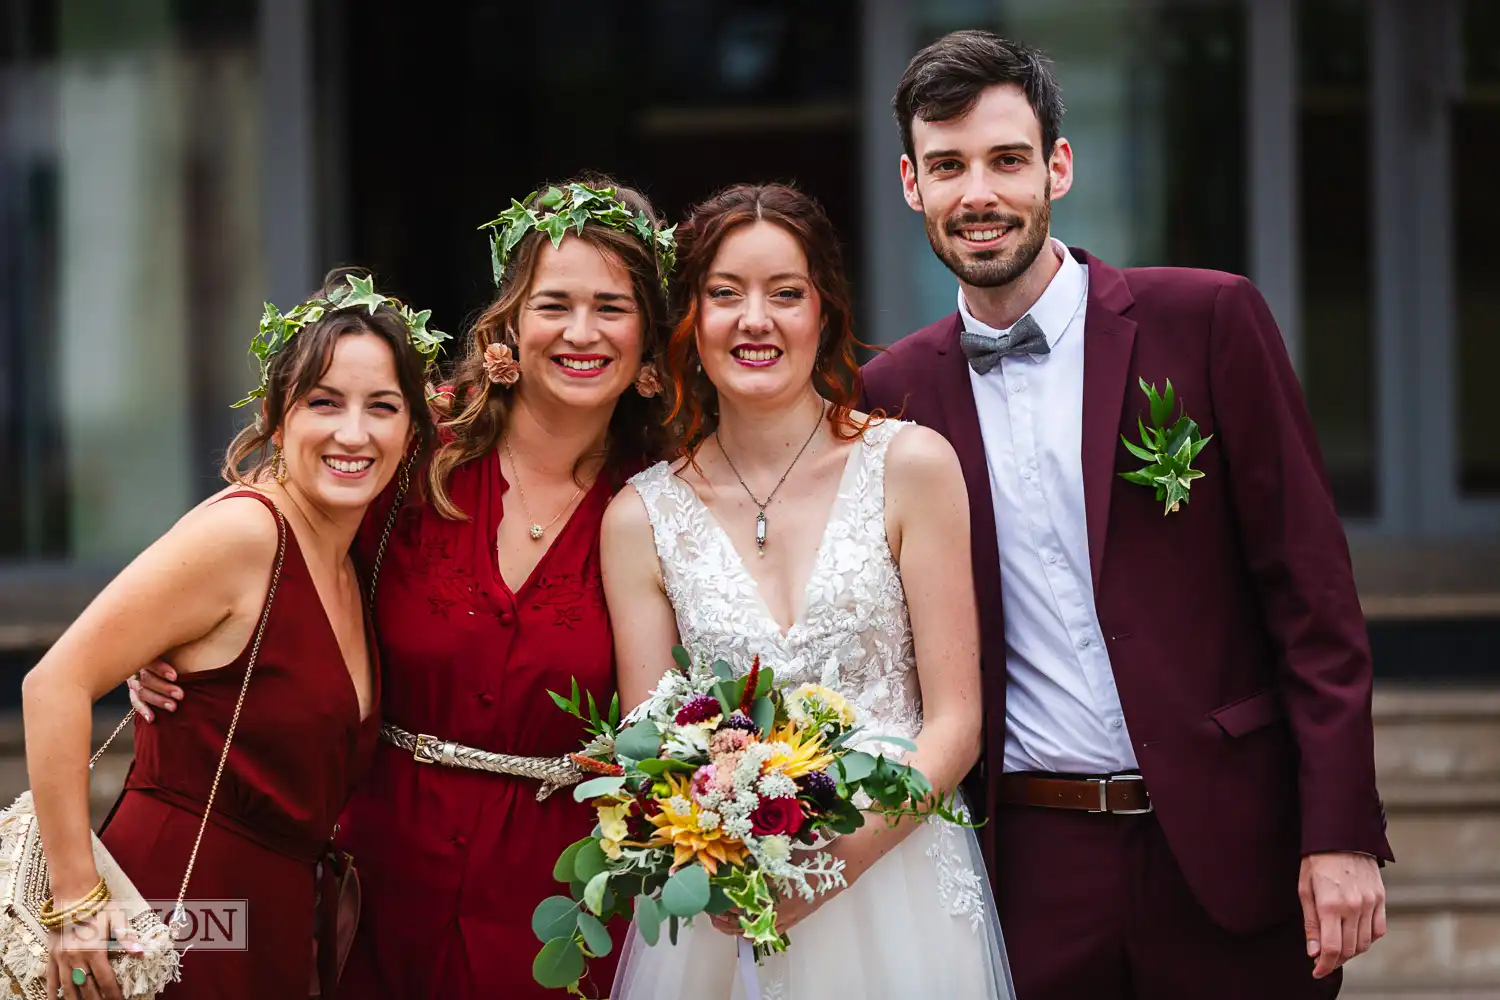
(775, 816)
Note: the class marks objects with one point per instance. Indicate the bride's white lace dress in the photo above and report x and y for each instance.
(921, 921)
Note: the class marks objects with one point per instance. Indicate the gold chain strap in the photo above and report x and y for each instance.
(402, 485)
(265, 615)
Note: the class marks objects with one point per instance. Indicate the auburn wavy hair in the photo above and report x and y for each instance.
(694, 401)
(478, 409)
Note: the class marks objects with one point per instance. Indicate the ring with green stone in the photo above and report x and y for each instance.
(79, 975)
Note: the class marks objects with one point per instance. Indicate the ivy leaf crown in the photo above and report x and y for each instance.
(278, 329)
(557, 210)
(1168, 448)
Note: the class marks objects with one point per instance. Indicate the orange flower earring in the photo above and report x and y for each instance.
(648, 383)
(500, 365)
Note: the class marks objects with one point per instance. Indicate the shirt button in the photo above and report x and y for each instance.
(460, 843)
(507, 619)
(1118, 724)
(1018, 386)
(1085, 642)
(1026, 472)
(486, 699)
(1052, 557)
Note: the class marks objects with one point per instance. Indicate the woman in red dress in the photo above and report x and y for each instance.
(489, 596)
(344, 402)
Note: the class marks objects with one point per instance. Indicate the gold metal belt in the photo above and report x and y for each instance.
(552, 772)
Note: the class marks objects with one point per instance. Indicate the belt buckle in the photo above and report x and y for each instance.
(1104, 783)
(422, 749)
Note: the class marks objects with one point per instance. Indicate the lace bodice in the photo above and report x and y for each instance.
(855, 606)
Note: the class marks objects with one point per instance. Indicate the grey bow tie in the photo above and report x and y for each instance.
(984, 352)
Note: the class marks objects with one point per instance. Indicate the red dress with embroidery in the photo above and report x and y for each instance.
(452, 862)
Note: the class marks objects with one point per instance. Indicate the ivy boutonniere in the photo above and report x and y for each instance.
(1168, 450)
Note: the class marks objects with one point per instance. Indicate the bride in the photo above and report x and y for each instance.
(802, 531)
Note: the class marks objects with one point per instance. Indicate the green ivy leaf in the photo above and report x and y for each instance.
(552, 198)
(362, 293)
(558, 965)
(718, 901)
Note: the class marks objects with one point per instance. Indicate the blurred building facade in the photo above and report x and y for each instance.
(167, 165)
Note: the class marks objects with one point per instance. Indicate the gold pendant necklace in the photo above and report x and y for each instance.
(762, 526)
(536, 530)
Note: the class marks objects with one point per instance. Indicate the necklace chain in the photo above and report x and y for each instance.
(536, 531)
(761, 524)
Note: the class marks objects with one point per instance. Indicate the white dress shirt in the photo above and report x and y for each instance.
(1062, 711)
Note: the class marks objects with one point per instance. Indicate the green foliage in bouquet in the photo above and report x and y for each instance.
(1169, 450)
(702, 794)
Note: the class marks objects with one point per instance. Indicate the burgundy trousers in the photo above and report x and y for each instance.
(1094, 907)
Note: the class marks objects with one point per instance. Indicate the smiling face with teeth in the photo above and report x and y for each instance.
(760, 316)
(985, 189)
(345, 438)
(579, 329)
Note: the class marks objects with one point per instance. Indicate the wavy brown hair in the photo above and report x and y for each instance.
(637, 428)
(296, 369)
(694, 400)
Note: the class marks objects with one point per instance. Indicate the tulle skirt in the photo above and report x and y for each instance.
(921, 922)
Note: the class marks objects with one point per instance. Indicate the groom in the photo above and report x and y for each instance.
(1178, 768)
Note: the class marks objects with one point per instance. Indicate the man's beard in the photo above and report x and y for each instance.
(992, 268)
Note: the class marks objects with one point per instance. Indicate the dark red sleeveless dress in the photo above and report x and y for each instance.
(298, 749)
(452, 862)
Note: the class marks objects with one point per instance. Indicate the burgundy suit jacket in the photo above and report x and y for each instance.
(1233, 626)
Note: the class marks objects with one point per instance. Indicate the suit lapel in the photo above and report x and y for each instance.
(1108, 341)
(961, 418)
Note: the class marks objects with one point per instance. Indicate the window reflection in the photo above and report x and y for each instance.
(129, 265)
(1338, 341)
(1476, 207)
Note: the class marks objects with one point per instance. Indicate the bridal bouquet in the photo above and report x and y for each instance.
(701, 799)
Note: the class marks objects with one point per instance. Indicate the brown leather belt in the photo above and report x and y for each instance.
(1119, 794)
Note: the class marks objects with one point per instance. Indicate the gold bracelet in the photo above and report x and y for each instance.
(92, 903)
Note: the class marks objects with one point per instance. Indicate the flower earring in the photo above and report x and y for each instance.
(500, 365)
(648, 382)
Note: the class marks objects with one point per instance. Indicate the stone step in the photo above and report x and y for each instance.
(1443, 939)
(1437, 734)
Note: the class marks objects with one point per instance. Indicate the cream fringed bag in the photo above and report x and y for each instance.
(24, 885)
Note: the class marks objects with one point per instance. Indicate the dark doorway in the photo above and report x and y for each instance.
(439, 114)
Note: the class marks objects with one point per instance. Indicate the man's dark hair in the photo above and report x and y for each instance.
(944, 81)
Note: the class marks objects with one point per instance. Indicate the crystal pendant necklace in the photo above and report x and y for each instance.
(760, 518)
(535, 530)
